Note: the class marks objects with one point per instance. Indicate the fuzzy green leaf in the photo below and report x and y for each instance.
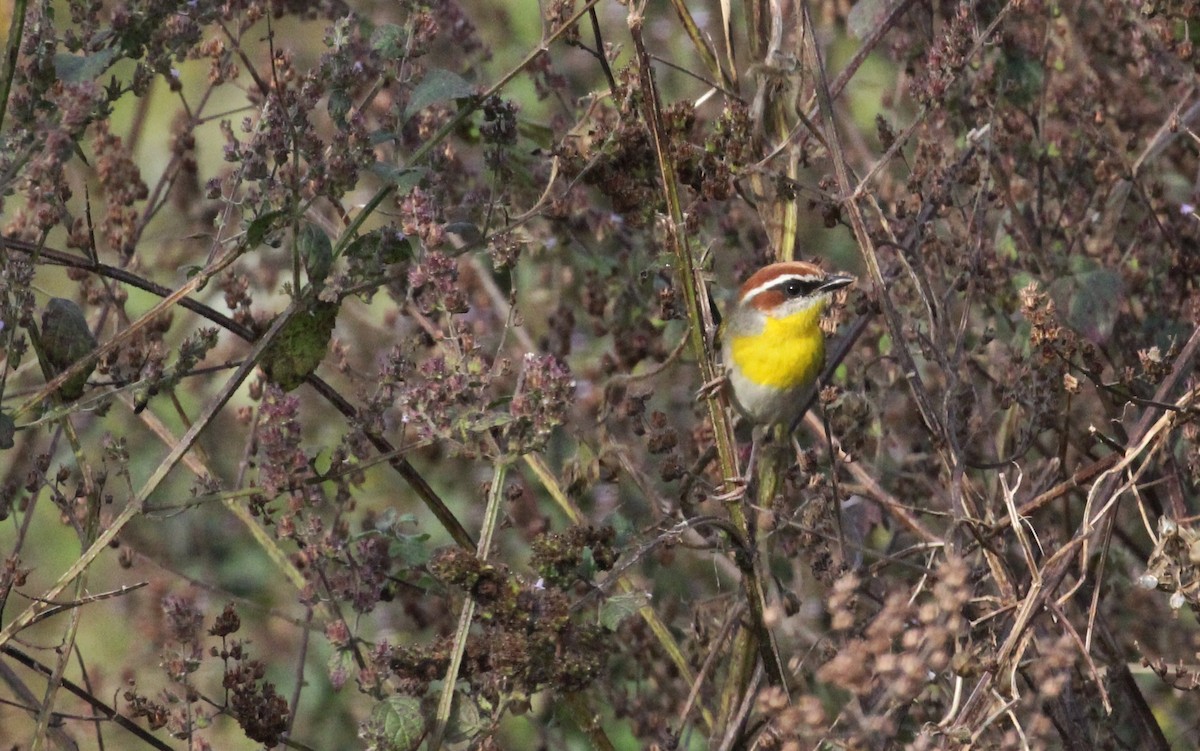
(80, 68)
(389, 40)
(258, 230)
(619, 607)
(300, 346)
(396, 724)
(404, 178)
(439, 85)
(316, 251)
(66, 338)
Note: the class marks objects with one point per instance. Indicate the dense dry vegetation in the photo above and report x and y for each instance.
(351, 356)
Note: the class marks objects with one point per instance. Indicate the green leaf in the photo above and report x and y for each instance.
(885, 345)
(78, 69)
(8, 428)
(1095, 302)
(439, 85)
(396, 724)
(482, 422)
(261, 227)
(411, 549)
(381, 135)
(381, 246)
(391, 519)
(865, 16)
(316, 251)
(339, 105)
(389, 40)
(1022, 76)
(300, 346)
(541, 135)
(403, 178)
(619, 607)
(468, 231)
(587, 568)
(1006, 246)
(339, 667)
(466, 719)
(66, 337)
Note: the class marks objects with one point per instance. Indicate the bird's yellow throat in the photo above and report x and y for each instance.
(788, 352)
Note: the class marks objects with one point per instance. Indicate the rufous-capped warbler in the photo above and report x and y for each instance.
(772, 342)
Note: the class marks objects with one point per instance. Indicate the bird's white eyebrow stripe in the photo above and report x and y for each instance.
(775, 282)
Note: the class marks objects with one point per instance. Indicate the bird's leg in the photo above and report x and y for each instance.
(712, 388)
(757, 438)
(735, 493)
(738, 484)
(742, 480)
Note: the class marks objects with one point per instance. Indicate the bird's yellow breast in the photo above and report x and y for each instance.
(787, 354)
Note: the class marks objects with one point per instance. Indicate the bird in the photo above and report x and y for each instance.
(771, 341)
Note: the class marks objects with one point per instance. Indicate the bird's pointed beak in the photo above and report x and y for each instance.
(836, 281)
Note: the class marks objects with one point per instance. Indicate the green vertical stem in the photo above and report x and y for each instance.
(741, 669)
(723, 430)
(490, 516)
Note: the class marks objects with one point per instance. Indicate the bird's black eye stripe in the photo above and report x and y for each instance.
(798, 287)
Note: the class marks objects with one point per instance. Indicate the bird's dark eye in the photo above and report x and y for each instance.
(794, 288)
